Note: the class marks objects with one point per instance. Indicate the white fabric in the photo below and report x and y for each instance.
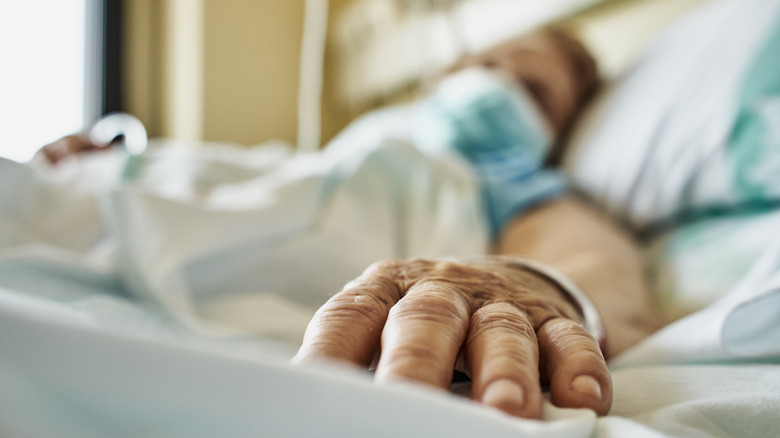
(63, 377)
(81, 355)
(200, 227)
(656, 142)
(695, 400)
(744, 323)
(695, 264)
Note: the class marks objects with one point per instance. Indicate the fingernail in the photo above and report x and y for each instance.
(503, 392)
(587, 385)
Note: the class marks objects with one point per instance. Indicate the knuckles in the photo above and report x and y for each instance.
(563, 329)
(348, 307)
(487, 295)
(437, 289)
(503, 317)
(569, 339)
(382, 267)
(433, 302)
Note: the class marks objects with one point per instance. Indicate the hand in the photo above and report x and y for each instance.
(513, 328)
(67, 146)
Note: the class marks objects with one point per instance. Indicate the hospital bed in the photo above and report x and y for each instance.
(165, 300)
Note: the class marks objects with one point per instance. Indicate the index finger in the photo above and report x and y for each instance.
(348, 327)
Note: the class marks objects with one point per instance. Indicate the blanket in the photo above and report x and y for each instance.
(113, 323)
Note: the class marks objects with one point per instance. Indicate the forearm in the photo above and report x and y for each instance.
(601, 258)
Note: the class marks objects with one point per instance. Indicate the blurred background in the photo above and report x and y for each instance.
(232, 70)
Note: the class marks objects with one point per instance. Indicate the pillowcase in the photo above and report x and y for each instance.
(665, 139)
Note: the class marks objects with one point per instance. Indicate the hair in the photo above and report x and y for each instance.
(586, 71)
(581, 60)
(581, 64)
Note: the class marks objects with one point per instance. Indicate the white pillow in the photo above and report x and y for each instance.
(654, 142)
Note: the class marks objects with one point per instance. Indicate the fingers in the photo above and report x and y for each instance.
(422, 312)
(348, 327)
(67, 146)
(578, 374)
(502, 353)
(423, 335)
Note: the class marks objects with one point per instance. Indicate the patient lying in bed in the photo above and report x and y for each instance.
(506, 126)
(510, 324)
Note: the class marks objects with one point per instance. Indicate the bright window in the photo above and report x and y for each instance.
(42, 47)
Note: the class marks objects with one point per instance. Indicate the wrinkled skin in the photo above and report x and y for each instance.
(555, 68)
(66, 147)
(508, 328)
(512, 328)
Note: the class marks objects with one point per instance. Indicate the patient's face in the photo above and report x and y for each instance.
(556, 69)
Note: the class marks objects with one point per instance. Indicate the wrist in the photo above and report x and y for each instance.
(589, 314)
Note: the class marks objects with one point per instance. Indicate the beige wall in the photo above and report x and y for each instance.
(251, 63)
(227, 70)
(222, 70)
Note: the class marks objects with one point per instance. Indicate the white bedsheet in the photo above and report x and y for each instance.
(204, 229)
(108, 300)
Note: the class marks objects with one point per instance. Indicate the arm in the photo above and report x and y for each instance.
(67, 146)
(601, 258)
(510, 327)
